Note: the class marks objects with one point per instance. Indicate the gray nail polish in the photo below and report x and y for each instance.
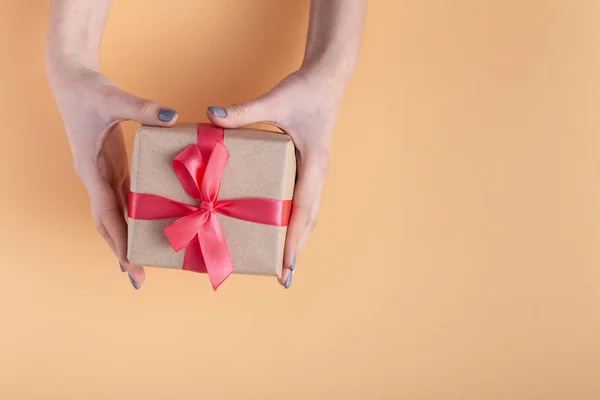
(133, 283)
(166, 114)
(218, 111)
(288, 281)
(122, 269)
(293, 267)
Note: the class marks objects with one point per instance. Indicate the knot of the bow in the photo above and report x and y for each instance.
(207, 205)
(200, 231)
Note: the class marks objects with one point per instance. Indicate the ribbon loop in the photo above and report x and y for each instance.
(215, 167)
(190, 169)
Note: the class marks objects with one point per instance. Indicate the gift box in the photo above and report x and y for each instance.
(210, 200)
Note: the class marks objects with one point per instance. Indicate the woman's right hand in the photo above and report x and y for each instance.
(92, 108)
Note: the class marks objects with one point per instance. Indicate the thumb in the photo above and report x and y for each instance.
(126, 106)
(242, 114)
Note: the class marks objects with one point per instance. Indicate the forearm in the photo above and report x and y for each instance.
(75, 32)
(334, 36)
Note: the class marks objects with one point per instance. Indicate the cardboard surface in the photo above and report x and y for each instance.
(262, 164)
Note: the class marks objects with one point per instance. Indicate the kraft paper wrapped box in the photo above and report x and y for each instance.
(261, 164)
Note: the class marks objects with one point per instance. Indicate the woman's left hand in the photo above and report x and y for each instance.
(305, 106)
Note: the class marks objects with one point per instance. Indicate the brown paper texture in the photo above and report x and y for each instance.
(262, 164)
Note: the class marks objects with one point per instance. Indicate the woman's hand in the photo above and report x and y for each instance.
(305, 106)
(92, 108)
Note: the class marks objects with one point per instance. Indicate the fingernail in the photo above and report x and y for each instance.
(166, 114)
(122, 269)
(288, 281)
(218, 111)
(133, 283)
(293, 267)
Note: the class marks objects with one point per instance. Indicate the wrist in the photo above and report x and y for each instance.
(69, 73)
(61, 59)
(75, 33)
(334, 75)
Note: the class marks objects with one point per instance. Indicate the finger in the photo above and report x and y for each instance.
(112, 220)
(104, 233)
(264, 109)
(124, 265)
(116, 227)
(312, 222)
(305, 194)
(124, 197)
(124, 194)
(125, 106)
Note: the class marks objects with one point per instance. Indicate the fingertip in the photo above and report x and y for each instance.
(288, 281)
(217, 112)
(212, 118)
(289, 259)
(217, 116)
(284, 276)
(133, 282)
(167, 117)
(137, 275)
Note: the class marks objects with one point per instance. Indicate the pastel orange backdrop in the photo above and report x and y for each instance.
(456, 255)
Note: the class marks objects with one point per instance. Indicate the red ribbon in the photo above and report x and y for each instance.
(200, 169)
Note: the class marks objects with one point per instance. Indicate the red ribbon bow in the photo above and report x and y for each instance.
(200, 169)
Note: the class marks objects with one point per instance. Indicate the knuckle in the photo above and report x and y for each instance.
(320, 163)
(82, 167)
(238, 109)
(324, 165)
(107, 98)
(145, 106)
(100, 229)
(121, 236)
(109, 94)
(300, 209)
(278, 105)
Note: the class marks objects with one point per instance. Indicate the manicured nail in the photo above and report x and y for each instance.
(133, 283)
(218, 111)
(293, 267)
(166, 114)
(288, 281)
(122, 269)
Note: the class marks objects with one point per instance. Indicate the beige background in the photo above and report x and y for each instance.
(456, 255)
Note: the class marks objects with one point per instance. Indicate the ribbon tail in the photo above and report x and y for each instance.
(149, 207)
(215, 252)
(189, 168)
(183, 231)
(193, 259)
(258, 210)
